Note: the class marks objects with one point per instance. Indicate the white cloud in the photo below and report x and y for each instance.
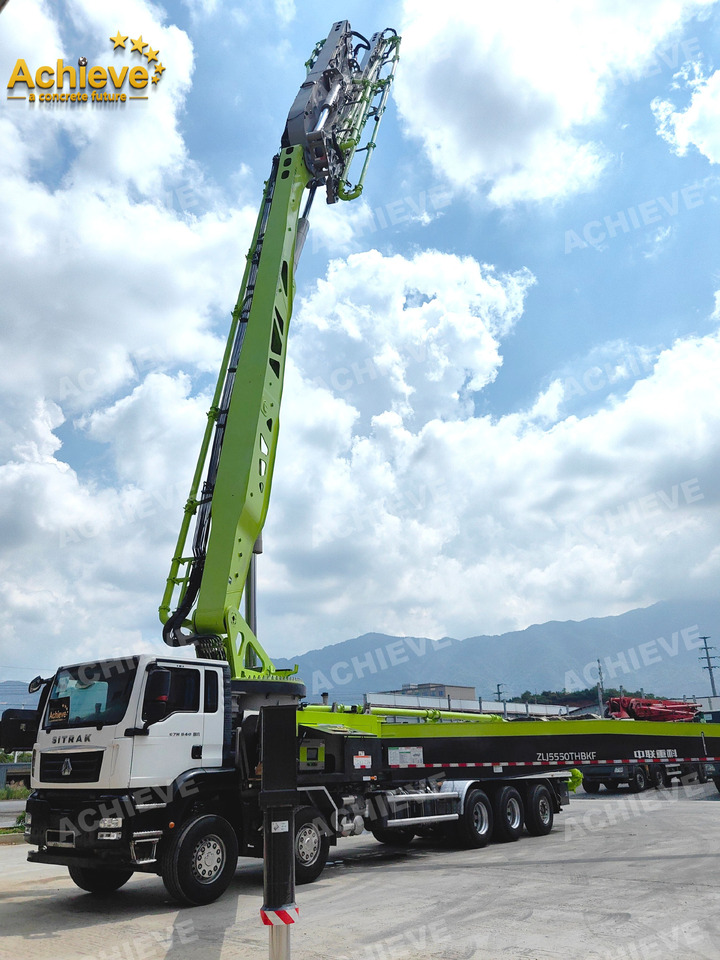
(389, 516)
(699, 124)
(107, 290)
(502, 96)
(284, 11)
(398, 504)
(98, 267)
(413, 336)
(201, 8)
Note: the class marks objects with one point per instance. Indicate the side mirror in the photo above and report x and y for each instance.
(36, 684)
(157, 696)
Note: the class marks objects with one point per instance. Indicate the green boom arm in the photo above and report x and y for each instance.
(229, 497)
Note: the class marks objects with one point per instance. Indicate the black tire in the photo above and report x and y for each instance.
(702, 773)
(612, 786)
(591, 786)
(199, 862)
(539, 810)
(656, 776)
(716, 781)
(639, 781)
(312, 844)
(507, 815)
(394, 836)
(475, 826)
(99, 880)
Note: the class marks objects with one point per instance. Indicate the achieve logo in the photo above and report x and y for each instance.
(93, 84)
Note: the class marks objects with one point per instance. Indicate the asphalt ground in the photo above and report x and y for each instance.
(621, 877)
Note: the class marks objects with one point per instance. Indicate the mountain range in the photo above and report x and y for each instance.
(14, 695)
(655, 648)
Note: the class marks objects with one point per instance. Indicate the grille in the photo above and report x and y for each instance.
(84, 767)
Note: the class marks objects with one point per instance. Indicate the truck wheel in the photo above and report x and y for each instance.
(656, 776)
(639, 781)
(199, 861)
(507, 814)
(475, 826)
(591, 786)
(99, 880)
(394, 836)
(716, 781)
(539, 813)
(312, 844)
(702, 773)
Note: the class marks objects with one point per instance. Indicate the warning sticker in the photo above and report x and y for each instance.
(362, 761)
(405, 757)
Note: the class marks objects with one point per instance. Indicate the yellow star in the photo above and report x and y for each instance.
(151, 54)
(138, 45)
(119, 41)
(156, 78)
(160, 69)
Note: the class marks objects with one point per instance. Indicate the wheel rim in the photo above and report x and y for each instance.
(544, 810)
(307, 844)
(512, 813)
(480, 819)
(208, 859)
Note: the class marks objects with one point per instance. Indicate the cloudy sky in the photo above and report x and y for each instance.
(502, 395)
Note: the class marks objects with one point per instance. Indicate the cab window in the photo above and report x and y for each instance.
(184, 696)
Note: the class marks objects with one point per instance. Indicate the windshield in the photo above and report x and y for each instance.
(91, 694)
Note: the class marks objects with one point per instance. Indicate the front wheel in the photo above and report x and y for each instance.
(312, 844)
(97, 880)
(539, 811)
(591, 786)
(199, 861)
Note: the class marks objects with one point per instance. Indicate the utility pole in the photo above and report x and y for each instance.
(498, 692)
(600, 690)
(709, 667)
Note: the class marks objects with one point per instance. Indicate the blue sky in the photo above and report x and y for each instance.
(501, 397)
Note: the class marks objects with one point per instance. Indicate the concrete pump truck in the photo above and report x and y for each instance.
(153, 763)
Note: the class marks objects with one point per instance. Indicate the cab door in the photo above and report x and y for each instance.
(174, 743)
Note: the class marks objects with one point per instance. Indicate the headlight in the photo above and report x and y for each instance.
(28, 822)
(110, 823)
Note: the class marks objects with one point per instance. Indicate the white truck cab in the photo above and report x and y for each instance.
(136, 722)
